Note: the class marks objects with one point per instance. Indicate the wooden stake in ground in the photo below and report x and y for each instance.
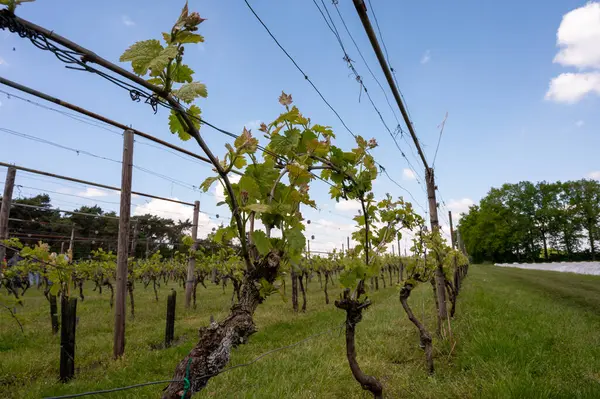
(170, 328)
(191, 272)
(72, 243)
(67, 338)
(9, 185)
(451, 230)
(440, 279)
(123, 245)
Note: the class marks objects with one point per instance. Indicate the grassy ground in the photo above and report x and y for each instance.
(518, 334)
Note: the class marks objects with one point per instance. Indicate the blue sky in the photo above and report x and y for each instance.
(515, 112)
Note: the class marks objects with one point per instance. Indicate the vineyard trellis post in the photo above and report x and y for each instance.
(67, 337)
(191, 275)
(123, 245)
(451, 230)
(134, 237)
(72, 241)
(9, 186)
(440, 279)
(170, 325)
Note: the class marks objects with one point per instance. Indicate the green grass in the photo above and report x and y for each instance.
(518, 333)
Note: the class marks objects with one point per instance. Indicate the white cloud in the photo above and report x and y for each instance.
(219, 189)
(578, 36)
(579, 123)
(459, 206)
(594, 175)
(408, 174)
(3, 62)
(572, 87)
(180, 212)
(347, 205)
(92, 192)
(0, 103)
(328, 235)
(127, 21)
(426, 57)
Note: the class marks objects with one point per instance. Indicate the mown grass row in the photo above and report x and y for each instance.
(517, 333)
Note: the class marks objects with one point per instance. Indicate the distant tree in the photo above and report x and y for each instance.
(521, 221)
(586, 200)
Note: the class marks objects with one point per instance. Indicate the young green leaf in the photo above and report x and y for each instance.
(188, 37)
(160, 62)
(182, 74)
(259, 208)
(189, 92)
(175, 123)
(262, 242)
(208, 182)
(141, 55)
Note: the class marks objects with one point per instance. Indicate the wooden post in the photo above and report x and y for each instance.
(393, 252)
(9, 185)
(134, 239)
(308, 242)
(53, 313)
(440, 279)
(123, 245)
(348, 243)
(191, 270)
(170, 329)
(451, 230)
(67, 338)
(461, 243)
(72, 243)
(62, 247)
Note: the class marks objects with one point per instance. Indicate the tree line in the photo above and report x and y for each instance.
(527, 222)
(33, 219)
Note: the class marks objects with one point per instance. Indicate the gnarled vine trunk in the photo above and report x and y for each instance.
(354, 308)
(294, 290)
(303, 291)
(131, 300)
(424, 335)
(325, 289)
(212, 352)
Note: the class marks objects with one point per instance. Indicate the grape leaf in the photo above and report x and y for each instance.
(208, 182)
(182, 74)
(189, 92)
(141, 55)
(249, 185)
(246, 142)
(284, 144)
(188, 37)
(295, 239)
(240, 162)
(159, 63)
(156, 81)
(259, 208)
(262, 242)
(285, 99)
(177, 128)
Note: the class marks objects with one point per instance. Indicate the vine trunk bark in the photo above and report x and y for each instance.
(424, 335)
(354, 308)
(213, 350)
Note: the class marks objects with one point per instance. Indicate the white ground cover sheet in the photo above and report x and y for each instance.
(569, 267)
